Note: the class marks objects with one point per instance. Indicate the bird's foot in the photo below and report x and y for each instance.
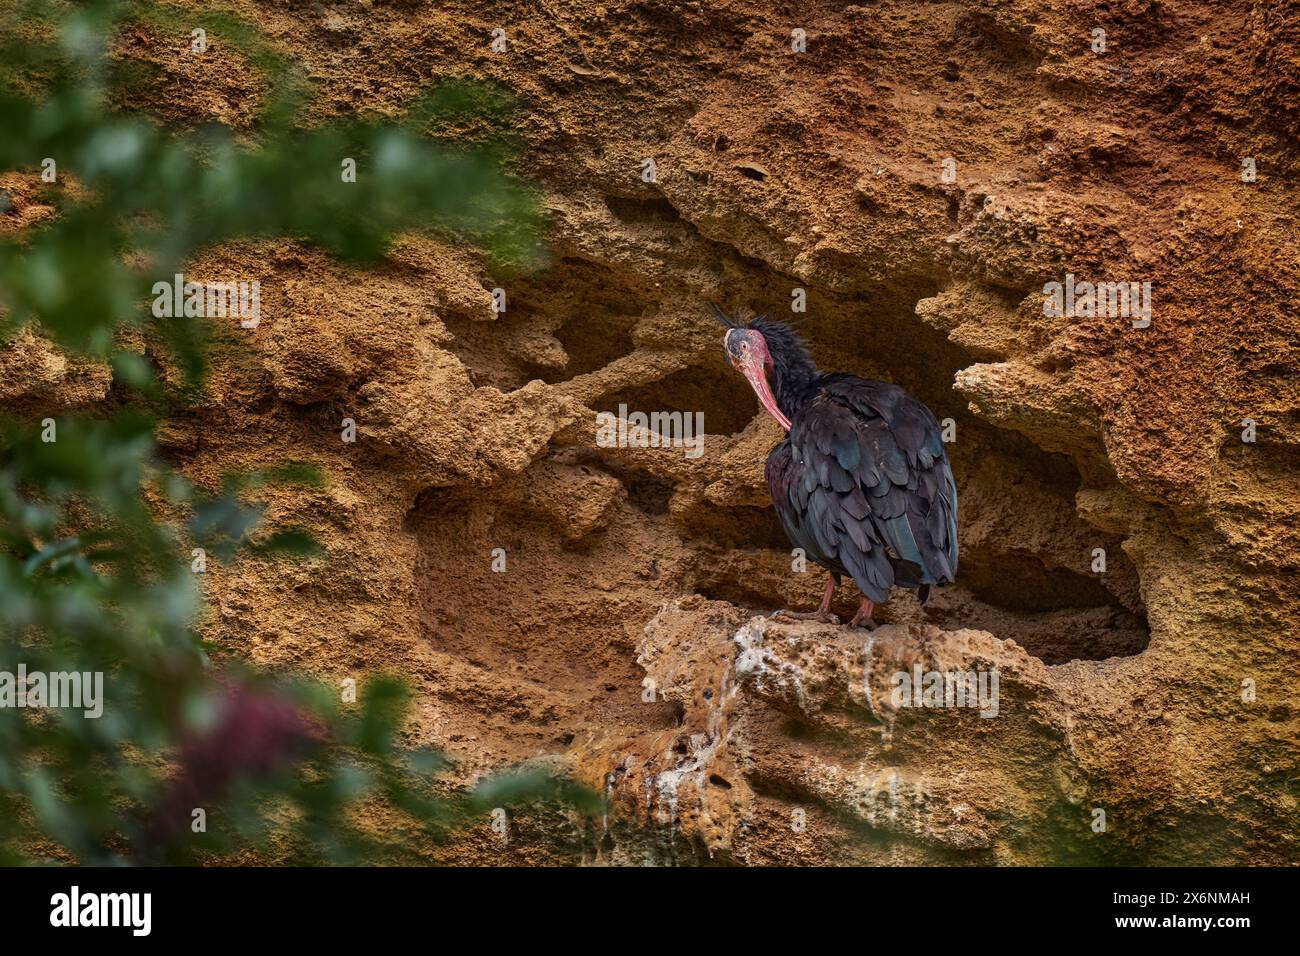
(863, 617)
(823, 617)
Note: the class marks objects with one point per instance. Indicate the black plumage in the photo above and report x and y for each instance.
(861, 482)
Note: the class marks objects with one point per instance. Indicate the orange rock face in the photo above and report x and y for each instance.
(918, 175)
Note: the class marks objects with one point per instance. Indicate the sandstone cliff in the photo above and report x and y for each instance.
(625, 642)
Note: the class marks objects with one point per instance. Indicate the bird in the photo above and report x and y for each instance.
(861, 482)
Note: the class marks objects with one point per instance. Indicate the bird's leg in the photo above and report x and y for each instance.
(822, 614)
(863, 617)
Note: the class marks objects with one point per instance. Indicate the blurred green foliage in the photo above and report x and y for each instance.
(91, 579)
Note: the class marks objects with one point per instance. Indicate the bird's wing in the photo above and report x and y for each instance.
(794, 502)
(876, 479)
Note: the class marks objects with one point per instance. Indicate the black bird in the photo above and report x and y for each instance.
(861, 482)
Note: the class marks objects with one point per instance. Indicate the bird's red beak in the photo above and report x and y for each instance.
(755, 370)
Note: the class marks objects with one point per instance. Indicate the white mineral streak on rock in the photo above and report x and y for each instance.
(769, 675)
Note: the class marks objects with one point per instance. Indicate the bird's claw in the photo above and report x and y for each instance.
(863, 617)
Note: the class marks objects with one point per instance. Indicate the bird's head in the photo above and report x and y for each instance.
(749, 354)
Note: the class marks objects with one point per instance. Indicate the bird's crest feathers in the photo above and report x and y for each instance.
(757, 320)
(730, 321)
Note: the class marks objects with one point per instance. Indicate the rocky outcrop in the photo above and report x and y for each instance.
(921, 172)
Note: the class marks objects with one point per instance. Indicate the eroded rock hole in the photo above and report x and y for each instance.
(573, 318)
(642, 210)
(1022, 582)
(648, 493)
(592, 341)
(1027, 554)
(1029, 564)
(723, 396)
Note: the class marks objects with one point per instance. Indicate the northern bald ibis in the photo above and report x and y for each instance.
(861, 482)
